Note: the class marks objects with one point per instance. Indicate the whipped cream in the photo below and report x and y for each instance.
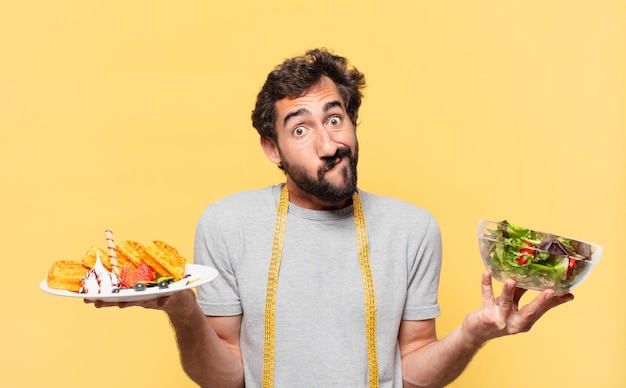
(98, 280)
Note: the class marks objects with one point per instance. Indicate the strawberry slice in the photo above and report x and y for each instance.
(144, 273)
(128, 276)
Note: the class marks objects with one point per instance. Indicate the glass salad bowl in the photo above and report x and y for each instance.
(535, 260)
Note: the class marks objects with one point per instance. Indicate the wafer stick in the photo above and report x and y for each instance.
(112, 255)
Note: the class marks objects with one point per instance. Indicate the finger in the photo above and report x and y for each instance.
(507, 295)
(101, 304)
(487, 290)
(519, 292)
(530, 313)
(487, 287)
(162, 302)
(557, 300)
(540, 303)
(548, 300)
(505, 303)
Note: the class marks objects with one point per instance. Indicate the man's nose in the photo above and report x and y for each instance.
(326, 144)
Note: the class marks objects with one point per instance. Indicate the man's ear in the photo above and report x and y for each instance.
(271, 150)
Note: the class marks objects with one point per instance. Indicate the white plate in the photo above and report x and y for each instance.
(198, 274)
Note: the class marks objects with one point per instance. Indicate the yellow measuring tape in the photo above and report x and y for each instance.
(272, 285)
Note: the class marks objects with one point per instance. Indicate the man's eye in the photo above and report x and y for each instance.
(299, 131)
(334, 121)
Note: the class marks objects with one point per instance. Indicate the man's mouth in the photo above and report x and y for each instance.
(337, 158)
(332, 163)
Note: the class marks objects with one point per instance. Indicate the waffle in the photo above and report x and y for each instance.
(89, 259)
(168, 258)
(66, 275)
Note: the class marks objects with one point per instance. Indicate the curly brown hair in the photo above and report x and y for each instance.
(296, 75)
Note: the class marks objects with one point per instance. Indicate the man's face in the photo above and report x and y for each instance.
(317, 145)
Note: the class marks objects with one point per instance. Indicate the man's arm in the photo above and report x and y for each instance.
(428, 362)
(209, 346)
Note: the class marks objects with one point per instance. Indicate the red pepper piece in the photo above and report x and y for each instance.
(524, 253)
(570, 267)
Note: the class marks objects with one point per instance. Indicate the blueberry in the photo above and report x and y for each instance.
(139, 287)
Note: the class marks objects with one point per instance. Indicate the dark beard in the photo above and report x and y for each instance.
(318, 186)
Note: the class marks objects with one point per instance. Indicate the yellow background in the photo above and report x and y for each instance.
(133, 115)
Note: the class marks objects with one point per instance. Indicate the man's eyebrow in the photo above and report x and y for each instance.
(303, 111)
(294, 113)
(331, 104)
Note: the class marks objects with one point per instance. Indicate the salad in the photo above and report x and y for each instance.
(535, 260)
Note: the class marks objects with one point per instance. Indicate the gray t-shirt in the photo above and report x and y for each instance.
(320, 338)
